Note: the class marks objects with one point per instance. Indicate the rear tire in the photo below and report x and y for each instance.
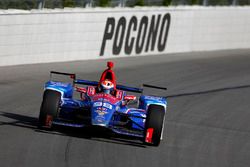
(49, 108)
(154, 124)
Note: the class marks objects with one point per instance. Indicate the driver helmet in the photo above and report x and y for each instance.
(107, 86)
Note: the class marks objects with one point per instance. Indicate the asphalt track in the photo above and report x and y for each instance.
(207, 123)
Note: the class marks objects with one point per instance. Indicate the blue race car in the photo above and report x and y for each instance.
(103, 104)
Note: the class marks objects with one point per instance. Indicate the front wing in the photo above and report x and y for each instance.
(116, 126)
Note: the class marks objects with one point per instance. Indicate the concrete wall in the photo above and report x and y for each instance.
(79, 34)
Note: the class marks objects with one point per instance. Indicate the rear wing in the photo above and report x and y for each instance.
(95, 83)
(71, 75)
(86, 82)
(120, 87)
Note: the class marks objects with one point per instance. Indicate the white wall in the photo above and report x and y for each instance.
(77, 34)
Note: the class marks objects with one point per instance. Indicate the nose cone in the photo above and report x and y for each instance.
(102, 114)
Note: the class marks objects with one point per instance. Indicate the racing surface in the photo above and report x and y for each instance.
(207, 122)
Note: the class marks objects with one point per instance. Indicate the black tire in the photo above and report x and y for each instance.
(154, 120)
(49, 108)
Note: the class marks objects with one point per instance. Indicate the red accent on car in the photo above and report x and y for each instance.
(91, 91)
(80, 89)
(129, 97)
(149, 135)
(72, 76)
(119, 94)
(48, 121)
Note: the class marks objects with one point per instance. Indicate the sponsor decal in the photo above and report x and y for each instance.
(91, 91)
(80, 89)
(107, 105)
(138, 34)
(97, 104)
(105, 97)
(58, 84)
(100, 118)
(101, 112)
(129, 97)
(119, 94)
(104, 109)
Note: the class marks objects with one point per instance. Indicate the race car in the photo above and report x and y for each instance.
(103, 104)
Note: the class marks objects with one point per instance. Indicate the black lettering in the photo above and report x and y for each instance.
(143, 25)
(129, 43)
(162, 43)
(152, 34)
(108, 33)
(117, 45)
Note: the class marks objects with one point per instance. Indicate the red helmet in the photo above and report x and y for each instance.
(108, 74)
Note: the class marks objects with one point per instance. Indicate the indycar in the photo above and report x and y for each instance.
(103, 104)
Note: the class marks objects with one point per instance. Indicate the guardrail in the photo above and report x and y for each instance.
(81, 34)
(51, 4)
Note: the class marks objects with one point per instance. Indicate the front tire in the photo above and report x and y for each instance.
(154, 124)
(49, 108)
